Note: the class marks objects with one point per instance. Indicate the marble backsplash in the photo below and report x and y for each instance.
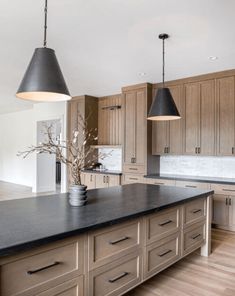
(114, 161)
(223, 167)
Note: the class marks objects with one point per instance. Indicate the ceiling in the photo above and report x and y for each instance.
(103, 45)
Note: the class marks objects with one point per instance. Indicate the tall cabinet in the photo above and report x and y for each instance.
(137, 142)
(200, 118)
(226, 116)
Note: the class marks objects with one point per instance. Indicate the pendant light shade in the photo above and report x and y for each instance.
(163, 106)
(43, 80)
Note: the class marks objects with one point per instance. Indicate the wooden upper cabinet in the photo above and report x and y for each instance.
(110, 120)
(225, 116)
(200, 118)
(192, 117)
(130, 127)
(135, 126)
(168, 135)
(176, 127)
(207, 118)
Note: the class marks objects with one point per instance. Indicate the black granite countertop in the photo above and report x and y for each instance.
(104, 172)
(230, 181)
(31, 222)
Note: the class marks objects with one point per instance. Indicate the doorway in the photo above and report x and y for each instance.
(48, 167)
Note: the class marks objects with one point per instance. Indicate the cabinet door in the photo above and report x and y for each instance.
(220, 210)
(225, 114)
(207, 118)
(113, 180)
(160, 135)
(192, 115)
(140, 126)
(101, 181)
(176, 126)
(89, 180)
(129, 126)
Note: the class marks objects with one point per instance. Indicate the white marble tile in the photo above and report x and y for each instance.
(114, 161)
(198, 166)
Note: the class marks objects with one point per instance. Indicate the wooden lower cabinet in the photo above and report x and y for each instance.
(93, 180)
(164, 182)
(132, 178)
(70, 288)
(109, 261)
(117, 277)
(161, 254)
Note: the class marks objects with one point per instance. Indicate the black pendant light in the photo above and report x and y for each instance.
(163, 106)
(43, 80)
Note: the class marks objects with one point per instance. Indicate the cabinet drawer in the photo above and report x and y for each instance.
(41, 270)
(194, 211)
(223, 189)
(192, 185)
(161, 254)
(116, 278)
(128, 179)
(69, 288)
(164, 182)
(113, 242)
(194, 237)
(162, 224)
(136, 169)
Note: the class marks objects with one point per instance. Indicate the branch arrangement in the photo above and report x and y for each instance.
(76, 153)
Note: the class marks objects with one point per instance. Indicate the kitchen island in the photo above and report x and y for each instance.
(123, 236)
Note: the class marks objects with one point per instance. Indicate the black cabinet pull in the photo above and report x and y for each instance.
(198, 150)
(232, 150)
(165, 223)
(196, 211)
(196, 236)
(104, 179)
(107, 179)
(230, 202)
(133, 169)
(165, 253)
(118, 277)
(30, 272)
(195, 150)
(229, 190)
(119, 240)
(191, 186)
(226, 201)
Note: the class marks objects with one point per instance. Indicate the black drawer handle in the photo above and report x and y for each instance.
(133, 169)
(196, 211)
(158, 183)
(119, 240)
(165, 223)
(30, 272)
(191, 186)
(133, 178)
(229, 190)
(165, 253)
(118, 277)
(196, 236)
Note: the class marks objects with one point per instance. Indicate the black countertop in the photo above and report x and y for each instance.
(104, 172)
(230, 181)
(31, 222)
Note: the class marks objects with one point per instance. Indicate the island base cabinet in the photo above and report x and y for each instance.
(116, 278)
(161, 254)
(69, 288)
(194, 237)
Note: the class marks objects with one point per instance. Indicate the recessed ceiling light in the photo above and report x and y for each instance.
(142, 74)
(213, 58)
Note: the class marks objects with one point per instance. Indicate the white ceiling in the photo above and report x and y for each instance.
(102, 45)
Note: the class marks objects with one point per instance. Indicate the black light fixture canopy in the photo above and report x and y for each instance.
(43, 80)
(163, 106)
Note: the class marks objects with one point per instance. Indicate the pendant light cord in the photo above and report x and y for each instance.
(45, 25)
(163, 62)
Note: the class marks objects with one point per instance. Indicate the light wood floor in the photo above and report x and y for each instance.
(10, 191)
(196, 275)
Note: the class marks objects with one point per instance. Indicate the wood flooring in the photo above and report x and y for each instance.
(196, 275)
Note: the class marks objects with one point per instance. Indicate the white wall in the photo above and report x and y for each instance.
(17, 132)
(223, 167)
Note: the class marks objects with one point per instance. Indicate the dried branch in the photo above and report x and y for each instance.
(75, 153)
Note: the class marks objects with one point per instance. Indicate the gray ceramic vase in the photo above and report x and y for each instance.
(77, 195)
